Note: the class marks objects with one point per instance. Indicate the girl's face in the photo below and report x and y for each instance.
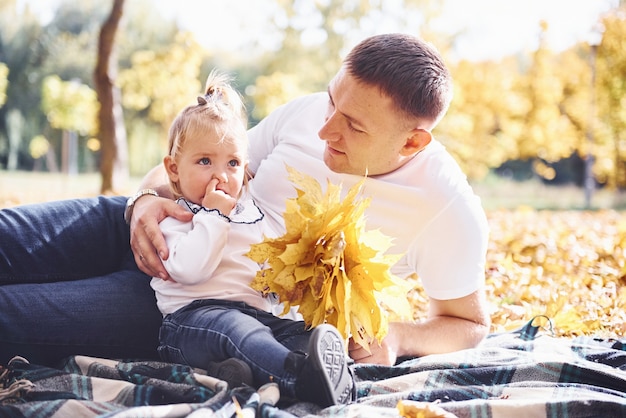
(203, 158)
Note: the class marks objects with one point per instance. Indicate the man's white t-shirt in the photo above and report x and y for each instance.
(427, 205)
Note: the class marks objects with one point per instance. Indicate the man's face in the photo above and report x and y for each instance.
(364, 132)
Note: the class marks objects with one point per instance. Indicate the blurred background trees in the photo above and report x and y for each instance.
(557, 116)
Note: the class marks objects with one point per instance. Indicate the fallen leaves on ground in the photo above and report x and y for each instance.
(567, 265)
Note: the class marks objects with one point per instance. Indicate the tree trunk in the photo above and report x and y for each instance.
(112, 133)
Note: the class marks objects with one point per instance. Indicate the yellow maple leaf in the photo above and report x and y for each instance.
(329, 267)
(416, 409)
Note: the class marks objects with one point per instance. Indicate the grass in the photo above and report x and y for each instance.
(499, 193)
(21, 187)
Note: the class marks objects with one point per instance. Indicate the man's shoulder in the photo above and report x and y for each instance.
(303, 115)
(309, 102)
(426, 168)
(320, 96)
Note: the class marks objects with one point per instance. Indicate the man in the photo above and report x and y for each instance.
(376, 120)
(68, 283)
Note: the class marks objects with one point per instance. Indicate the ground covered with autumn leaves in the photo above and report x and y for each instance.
(567, 265)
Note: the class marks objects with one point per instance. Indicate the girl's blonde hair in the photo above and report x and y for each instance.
(219, 113)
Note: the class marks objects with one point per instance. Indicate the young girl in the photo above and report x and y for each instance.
(213, 319)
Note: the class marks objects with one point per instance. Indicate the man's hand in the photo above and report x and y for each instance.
(452, 325)
(146, 239)
(384, 353)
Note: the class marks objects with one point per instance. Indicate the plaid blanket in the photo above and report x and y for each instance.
(523, 373)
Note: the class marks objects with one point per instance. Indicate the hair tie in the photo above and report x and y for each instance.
(213, 95)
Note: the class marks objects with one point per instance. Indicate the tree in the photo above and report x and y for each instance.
(20, 51)
(157, 86)
(316, 36)
(114, 154)
(482, 125)
(548, 134)
(610, 132)
(4, 81)
(71, 107)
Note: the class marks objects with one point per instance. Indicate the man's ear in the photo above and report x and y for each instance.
(171, 168)
(416, 142)
(247, 175)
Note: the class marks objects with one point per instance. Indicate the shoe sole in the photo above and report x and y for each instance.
(327, 350)
(233, 371)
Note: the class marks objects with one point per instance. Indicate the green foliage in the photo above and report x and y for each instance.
(272, 91)
(315, 38)
(143, 28)
(39, 146)
(146, 146)
(164, 81)
(21, 52)
(4, 74)
(69, 105)
(77, 18)
(65, 46)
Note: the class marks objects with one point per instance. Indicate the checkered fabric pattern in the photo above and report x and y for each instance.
(523, 373)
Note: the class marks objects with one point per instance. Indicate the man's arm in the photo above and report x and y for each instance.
(146, 239)
(451, 325)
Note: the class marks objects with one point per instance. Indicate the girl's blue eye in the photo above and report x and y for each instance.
(204, 161)
(233, 163)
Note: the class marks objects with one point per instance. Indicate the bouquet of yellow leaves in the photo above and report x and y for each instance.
(329, 267)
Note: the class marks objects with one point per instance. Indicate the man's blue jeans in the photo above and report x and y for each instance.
(69, 284)
(215, 330)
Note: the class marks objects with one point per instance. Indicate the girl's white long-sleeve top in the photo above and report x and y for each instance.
(207, 258)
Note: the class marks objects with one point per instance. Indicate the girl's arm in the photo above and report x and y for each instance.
(196, 247)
